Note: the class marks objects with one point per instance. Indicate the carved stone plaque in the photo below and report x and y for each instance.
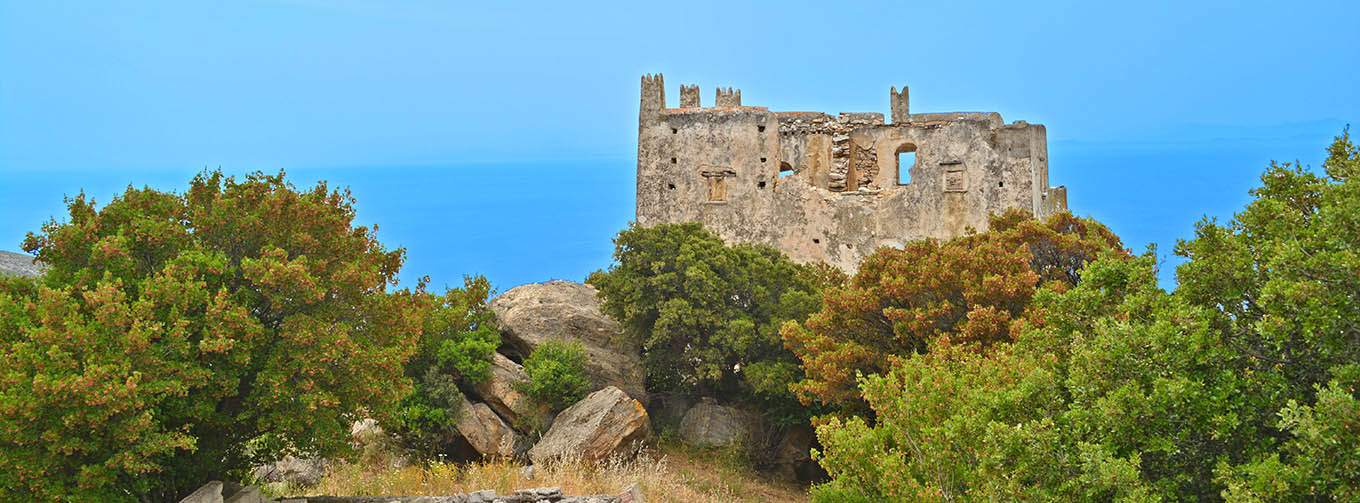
(953, 181)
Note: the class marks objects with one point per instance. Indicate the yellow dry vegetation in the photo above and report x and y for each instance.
(665, 475)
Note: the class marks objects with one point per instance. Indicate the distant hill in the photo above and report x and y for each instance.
(19, 264)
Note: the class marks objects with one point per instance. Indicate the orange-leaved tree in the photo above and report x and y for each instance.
(965, 291)
(177, 338)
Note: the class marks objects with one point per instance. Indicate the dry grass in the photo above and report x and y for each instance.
(668, 474)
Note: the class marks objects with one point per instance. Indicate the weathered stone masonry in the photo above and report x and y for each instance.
(825, 188)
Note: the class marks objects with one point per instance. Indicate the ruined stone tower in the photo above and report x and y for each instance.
(833, 189)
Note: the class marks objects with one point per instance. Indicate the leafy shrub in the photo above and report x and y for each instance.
(457, 342)
(171, 331)
(556, 374)
(707, 315)
(966, 291)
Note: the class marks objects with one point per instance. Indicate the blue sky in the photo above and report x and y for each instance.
(500, 139)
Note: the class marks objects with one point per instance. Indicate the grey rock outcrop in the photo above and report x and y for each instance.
(486, 432)
(19, 264)
(218, 492)
(366, 431)
(791, 455)
(293, 470)
(248, 494)
(605, 423)
(708, 424)
(500, 394)
(209, 493)
(564, 311)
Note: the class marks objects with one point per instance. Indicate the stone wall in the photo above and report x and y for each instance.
(825, 188)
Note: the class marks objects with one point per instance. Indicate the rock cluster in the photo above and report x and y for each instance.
(498, 417)
(564, 311)
(497, 420)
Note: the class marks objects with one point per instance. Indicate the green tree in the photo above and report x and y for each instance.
(178, 338)
(1282, 276)
(965, 291)
(1239, 386)
(458, 340)
(707, 315)
(1117, 391)
(556, 373)
(1320, 461)
(1282, 280)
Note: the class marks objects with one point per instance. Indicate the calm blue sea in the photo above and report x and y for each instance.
(515, 223)
(530, 221)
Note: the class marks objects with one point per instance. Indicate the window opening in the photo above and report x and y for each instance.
(906, 159)
(785, 169)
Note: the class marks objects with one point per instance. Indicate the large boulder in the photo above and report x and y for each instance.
(499, 393)
(564, 311)
(209, 493)
(486, 432)
(600, 425)
(708, 424)
(293, 470)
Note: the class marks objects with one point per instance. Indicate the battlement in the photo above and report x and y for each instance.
(727, 98)
(689, 96)
(833, 188)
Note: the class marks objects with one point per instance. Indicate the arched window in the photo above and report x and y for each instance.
(906, 159)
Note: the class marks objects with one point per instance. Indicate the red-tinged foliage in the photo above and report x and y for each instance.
(966, 292)
(177, 338)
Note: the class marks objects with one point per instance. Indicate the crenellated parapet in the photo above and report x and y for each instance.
(727, 98)
(689, 96)
(653, 95)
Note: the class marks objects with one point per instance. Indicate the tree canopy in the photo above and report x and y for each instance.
(968, 291)
(707, 314)
(178, 337)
